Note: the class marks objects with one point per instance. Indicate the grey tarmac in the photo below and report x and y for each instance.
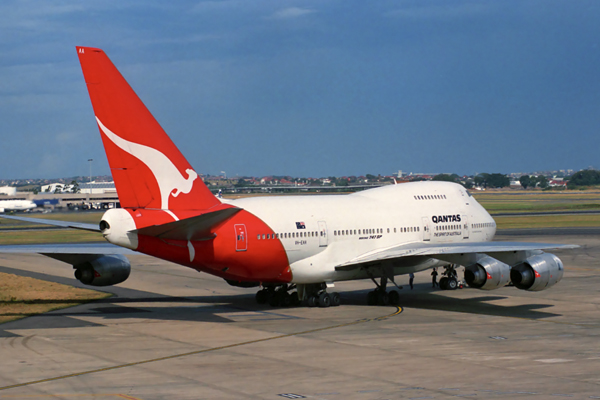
(172, 333)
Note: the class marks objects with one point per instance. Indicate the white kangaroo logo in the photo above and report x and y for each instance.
(169, 179)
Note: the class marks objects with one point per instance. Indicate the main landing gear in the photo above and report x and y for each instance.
(278, 296)
(316, 295)
(449, 280)
(282, 296)
(381, 296)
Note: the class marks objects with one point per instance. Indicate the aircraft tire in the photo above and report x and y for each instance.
(312, 301)
(372, 298)
(262, 296)
(274, 300)
(394, 298)
(324, 300)
(451, 284)
(382, 298)
(444, 283)
(295, 301)
(335, 299)
(285, 299)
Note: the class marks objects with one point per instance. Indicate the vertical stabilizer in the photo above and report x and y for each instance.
(148, 169)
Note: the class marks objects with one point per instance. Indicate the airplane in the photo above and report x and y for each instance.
(295, 248)
(16, 205)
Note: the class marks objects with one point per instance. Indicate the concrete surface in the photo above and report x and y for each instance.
(172, 333)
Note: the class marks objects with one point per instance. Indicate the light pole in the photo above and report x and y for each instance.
(90, 161)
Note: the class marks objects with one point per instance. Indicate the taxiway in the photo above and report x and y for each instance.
(170, 332)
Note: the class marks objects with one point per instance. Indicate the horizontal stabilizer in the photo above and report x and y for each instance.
(195, 228)
(62, 224)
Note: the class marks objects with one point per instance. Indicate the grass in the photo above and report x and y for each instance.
(522, 201)
(49, 236)
(547, 221)
(21, 296)
(9, 233)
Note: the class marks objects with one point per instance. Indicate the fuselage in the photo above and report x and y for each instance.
(302, 239)
(16, 205)
(320, 232)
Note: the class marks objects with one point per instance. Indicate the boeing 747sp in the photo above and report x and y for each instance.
(294, 247)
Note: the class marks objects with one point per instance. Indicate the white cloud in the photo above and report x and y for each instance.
(291, 12)
(445, 11)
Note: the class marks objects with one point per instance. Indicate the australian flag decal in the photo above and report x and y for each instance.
(300, 225)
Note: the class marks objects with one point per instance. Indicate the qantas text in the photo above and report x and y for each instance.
(445, 218)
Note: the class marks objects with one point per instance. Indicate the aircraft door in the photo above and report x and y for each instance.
(465, 222)
(241, 237)
(323, 240)
(426, 230)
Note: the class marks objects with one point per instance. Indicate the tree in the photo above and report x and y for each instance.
(446, 178)
(498, 180)
(74, 187)
(481, 179)
(542, 181)
(241, 183)
(525, 181)
(584, 178)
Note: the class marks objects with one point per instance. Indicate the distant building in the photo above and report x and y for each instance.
(8, 190)
(97, 187)
(85, 188)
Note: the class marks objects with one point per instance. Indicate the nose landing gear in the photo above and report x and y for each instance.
(449, 280)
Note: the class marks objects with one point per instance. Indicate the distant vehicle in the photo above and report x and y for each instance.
(16, 205)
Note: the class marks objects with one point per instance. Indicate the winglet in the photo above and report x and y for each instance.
(148, 169)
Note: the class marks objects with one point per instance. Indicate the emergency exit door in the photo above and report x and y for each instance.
(241, 237)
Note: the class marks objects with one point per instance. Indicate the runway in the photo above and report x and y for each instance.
(170, 332)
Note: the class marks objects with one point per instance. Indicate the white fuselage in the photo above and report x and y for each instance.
(322, 232)
(16, 205)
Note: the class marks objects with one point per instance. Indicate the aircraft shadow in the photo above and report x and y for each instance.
(427, 299)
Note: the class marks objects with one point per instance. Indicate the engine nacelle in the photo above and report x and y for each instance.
(103, 271)
(537, 273)
(487, 274)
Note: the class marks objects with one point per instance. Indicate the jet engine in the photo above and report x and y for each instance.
(537, 273)
(105, 270)
(487, 274)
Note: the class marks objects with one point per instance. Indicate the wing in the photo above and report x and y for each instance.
(96, 264)
(74, 253)
(460, 253)
(63, 224)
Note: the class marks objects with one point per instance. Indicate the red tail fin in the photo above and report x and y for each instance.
(149, 171)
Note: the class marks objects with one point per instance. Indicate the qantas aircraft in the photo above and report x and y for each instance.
(293, 247)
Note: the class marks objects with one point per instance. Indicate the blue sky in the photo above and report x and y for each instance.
(311, 88)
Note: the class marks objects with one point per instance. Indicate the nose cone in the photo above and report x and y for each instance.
(116, 226)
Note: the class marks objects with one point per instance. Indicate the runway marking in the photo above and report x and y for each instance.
(191, 353)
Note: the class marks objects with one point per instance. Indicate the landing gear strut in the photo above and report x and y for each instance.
(381, 296)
